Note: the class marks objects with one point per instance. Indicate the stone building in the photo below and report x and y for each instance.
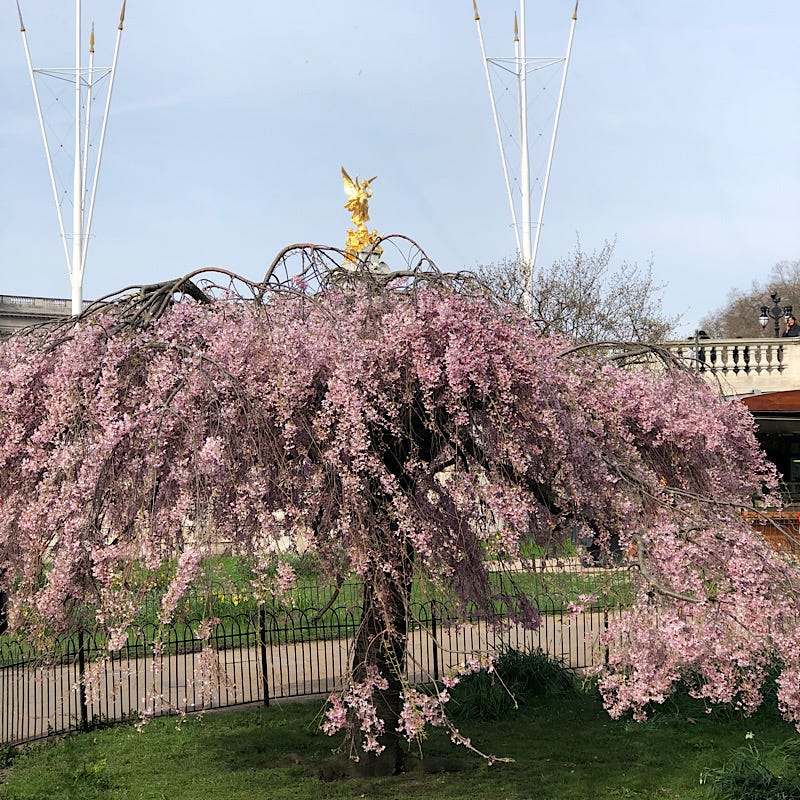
(21, 312)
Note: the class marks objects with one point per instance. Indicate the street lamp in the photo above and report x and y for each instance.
(774, 313)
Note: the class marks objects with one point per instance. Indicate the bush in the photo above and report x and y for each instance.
(517, 678)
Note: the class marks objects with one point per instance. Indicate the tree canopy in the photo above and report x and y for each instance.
(400, 427)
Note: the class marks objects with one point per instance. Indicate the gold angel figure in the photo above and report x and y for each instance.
(358, 194)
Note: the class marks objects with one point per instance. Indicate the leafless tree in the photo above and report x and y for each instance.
(739, 316)
(586, 298)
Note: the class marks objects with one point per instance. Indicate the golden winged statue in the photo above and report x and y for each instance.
(358, 194)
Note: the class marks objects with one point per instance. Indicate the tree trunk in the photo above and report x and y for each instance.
(382, 639)
(381, 643)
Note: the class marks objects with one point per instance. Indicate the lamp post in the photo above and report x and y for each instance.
(774, 313)
(699, 353)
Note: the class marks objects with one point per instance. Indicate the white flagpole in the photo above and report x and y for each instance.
(76, 277)
(524, 167)
(81, 215)
(44, 134)
(529, 289)
(497, 126)
(103, 132)
(87, 125)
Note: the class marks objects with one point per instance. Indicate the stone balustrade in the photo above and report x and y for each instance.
(741, 367)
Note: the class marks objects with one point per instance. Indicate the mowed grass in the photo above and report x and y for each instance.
(564, 748)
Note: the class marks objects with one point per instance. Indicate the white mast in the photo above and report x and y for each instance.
(44, 133)
(497, 126)
(84, 79)
(519, 66)
(524, 160)
(529, 287)
(112, 75)
(75, 272)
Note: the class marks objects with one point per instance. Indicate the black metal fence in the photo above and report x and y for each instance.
(256, 657)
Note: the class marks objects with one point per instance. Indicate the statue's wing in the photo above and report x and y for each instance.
(350, 186)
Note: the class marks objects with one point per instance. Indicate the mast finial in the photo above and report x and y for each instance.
(575, 12)
(122, 15)
(516, 28)
(475, 6)
(91, 40)
(21, 23)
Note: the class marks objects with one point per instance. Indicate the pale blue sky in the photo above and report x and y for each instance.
(680, 136)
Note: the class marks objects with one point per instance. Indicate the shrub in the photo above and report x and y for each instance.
(517, 677)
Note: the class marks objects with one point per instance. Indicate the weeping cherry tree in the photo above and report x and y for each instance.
(400, 427)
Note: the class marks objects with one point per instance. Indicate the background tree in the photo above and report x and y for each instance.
(738, 317)
(586, 299)
(402, 427)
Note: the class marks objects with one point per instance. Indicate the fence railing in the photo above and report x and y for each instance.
(257, 657)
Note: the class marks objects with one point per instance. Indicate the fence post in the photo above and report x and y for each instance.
(435, 642)
(82, 684)
(262, 643)
(3, 604)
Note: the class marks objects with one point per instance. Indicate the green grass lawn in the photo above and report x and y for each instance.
(565, 748)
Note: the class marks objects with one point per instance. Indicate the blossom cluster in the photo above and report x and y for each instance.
(356, 708)
(421, 710)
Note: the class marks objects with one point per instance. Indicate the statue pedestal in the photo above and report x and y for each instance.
(370, 256)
